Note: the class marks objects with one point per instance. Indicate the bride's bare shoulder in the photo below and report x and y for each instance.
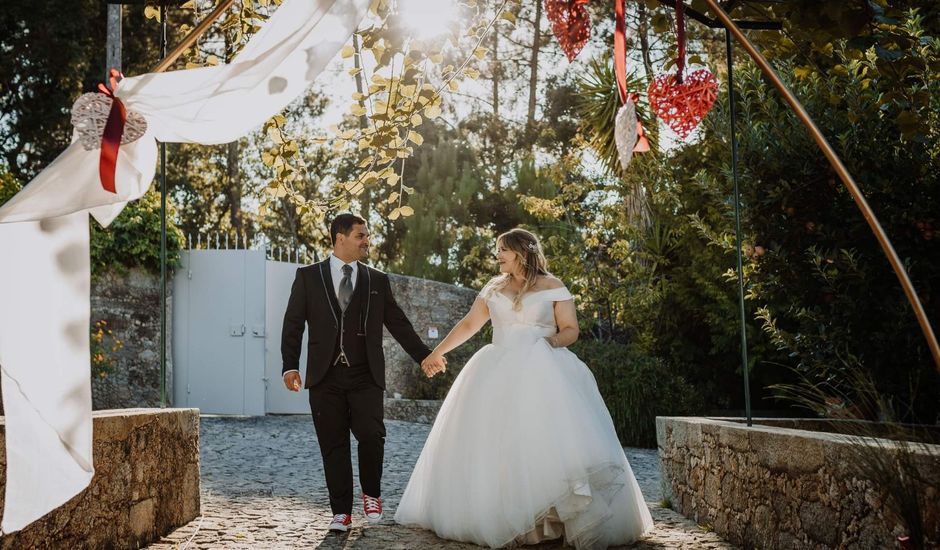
(548, 282)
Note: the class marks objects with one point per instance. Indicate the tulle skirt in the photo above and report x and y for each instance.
(524, 450)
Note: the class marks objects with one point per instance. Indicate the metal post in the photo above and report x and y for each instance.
(113, 46)
(737, 227)
(163, 401)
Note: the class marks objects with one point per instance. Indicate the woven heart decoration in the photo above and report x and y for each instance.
(683, 105)
(90, 114)
(570, 23)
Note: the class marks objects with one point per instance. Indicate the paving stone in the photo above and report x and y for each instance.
(263, 488)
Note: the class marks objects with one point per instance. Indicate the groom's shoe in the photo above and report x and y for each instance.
(341, 522)
(372, 507)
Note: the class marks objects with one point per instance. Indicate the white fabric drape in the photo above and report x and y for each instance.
(44, 242)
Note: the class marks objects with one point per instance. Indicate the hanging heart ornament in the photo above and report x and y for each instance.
(682, 105)
(90, 115)
(570, 24)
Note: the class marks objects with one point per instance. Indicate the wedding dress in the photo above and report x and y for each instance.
(524, 449)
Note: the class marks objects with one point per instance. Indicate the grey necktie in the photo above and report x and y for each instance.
(345, 287)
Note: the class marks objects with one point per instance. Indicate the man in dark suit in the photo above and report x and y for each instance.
(344, 304)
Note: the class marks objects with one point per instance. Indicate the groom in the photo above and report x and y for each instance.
(344, 304)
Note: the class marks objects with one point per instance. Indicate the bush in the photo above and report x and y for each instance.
(133, 238)
(637, 388)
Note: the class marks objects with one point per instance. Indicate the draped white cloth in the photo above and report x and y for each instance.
(44, 240)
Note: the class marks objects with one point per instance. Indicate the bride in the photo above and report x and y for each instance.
(523, 449)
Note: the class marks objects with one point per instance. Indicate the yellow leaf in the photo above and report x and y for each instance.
(471, 73)
(407, 211)
(416, 120)
(432, 111)
(437, 58)
(357, 109)
(394, 214)
(348, 134)
(393, 179)
(407, 189)
(354, 71)
(393, 197)
(802, 72)
(508, 16)
(347, 51)
(358, 96)
(415, 137)
(480, 53)
(453, 85)
(191, 4)
(152, 12)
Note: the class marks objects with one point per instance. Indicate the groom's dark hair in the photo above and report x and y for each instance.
(343, 223)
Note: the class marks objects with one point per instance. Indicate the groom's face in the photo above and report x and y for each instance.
(354, 246)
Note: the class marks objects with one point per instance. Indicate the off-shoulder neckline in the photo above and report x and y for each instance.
(532, 292)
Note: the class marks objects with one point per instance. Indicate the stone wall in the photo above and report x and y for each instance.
(130, 304)
(427, 304)
(770, 487)
(146, 484)
(419, 411)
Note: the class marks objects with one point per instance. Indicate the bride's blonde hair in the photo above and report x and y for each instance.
(531, 258)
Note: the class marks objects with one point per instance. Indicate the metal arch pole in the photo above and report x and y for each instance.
(163, 300)
(737, 228)
(844, 175)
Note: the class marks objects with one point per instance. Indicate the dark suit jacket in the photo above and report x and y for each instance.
(313, 302)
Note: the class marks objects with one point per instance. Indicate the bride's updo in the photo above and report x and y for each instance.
(531, 258)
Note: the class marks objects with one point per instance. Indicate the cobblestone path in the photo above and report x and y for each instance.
(263, 488)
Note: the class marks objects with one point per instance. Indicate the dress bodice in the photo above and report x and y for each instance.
(534, 320)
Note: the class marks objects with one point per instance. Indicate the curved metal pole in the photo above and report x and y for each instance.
(191, 38)
(844, 175)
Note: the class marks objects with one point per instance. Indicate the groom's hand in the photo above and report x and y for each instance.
(292, 381)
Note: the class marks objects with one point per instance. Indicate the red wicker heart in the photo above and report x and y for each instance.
(683, 105)
(570, 23)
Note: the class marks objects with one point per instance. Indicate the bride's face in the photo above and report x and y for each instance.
(507, 259)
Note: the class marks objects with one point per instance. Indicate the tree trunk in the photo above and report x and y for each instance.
(496, 70)
(365, 199)
(233, 177)
(534, 66)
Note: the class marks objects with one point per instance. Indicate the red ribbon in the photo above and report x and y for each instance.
(113, 131)
(680, 36)
(620, 69)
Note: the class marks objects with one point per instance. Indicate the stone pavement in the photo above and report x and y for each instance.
(263, 488)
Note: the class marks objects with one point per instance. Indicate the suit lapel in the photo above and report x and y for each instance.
(328, 287)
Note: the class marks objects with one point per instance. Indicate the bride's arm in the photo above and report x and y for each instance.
(566, 317)
(471, 323)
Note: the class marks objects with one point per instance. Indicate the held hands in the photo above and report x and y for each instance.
(433, 364)
(292, 381)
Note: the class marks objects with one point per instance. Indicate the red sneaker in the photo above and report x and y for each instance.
(341, 522)
(372, 507)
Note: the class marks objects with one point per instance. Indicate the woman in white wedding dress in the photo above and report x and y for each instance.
(523, 449)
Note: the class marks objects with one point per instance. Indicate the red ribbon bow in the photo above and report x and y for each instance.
(113, 132)
(620, 69)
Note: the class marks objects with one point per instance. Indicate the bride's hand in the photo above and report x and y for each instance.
(433, 364)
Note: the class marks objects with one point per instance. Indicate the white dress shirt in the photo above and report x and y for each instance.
(336, 270)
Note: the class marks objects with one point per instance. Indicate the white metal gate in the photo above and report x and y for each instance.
(228, 307)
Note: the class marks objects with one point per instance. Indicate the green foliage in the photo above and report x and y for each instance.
(637, 388)
(133, 238)
(8, 186)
